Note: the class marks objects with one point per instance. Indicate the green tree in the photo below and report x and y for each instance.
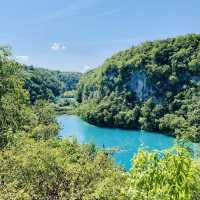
(13, 98)
(169, 175)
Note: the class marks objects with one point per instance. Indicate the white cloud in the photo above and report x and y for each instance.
(86, 68)
(23, 59)
(57, 47)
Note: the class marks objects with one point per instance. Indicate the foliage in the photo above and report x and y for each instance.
(13, 98)
(16, 114)
(171, 175)
(53, 169)
(111, 111)
(46, 84)
(153, 86)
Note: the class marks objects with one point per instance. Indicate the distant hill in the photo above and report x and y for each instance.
(47, 84)
(154, 86)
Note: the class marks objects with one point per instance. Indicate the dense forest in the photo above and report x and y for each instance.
(47, 84)
(35, 164)
(154, 86)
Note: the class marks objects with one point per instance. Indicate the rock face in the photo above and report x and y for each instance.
(140, 85)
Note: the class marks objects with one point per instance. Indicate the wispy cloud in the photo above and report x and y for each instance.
(77, 9)
(23, 59)
(57, 47)
(71, 10)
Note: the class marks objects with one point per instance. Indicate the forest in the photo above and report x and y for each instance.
(47, 84)
(154, 86)
(36, 164)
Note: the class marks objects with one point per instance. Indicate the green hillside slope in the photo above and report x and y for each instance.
(47, 84)
(154, 86)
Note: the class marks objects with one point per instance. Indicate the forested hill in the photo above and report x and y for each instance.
(47, 84)
(153, 86)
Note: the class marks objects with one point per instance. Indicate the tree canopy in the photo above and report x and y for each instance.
(154, 86)
(47, 84)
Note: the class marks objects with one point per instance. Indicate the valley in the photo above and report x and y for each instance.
(125, 130)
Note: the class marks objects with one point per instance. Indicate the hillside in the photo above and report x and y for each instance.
(47, 84)
(154, 86)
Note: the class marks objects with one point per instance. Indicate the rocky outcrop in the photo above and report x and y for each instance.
(140, 85)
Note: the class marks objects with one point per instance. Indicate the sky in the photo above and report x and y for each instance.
(77, 35)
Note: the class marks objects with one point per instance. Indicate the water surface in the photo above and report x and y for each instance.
(128, 141)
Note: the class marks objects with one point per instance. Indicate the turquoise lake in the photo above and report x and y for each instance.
(128, 141)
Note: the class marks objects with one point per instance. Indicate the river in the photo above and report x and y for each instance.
(128, 142)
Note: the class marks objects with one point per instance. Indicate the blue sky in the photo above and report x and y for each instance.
(75, 35)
